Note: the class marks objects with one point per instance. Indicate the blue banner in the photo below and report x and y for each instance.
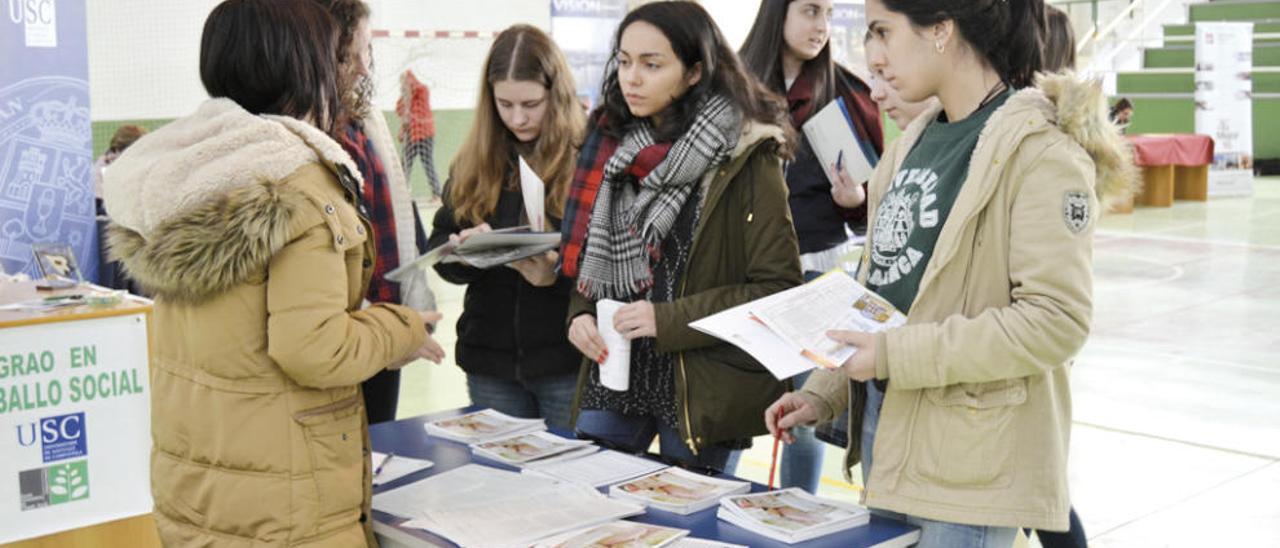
(46, 141)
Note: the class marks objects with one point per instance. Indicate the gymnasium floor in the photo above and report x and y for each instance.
(1177, 394)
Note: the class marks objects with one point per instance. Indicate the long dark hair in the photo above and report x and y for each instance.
(1006, 33)
(762, 54)
(273, 57)
(695, 39)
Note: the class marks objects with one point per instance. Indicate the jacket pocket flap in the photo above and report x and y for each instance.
(980, 395)
(318, 417)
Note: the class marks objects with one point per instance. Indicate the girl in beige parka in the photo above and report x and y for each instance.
(982, 216)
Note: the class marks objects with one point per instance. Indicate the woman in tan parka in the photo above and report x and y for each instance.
(981, 231)
(243, 219)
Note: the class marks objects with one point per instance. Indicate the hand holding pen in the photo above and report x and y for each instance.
(846, 192)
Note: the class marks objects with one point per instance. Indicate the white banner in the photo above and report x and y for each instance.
(75, 425)
(1224, 103)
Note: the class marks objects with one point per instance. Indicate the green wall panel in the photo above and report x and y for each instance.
(1264, 55)
(1235, 11)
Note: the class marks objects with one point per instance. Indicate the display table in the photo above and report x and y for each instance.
(1174, 166)
(74, 387)
(407, 437)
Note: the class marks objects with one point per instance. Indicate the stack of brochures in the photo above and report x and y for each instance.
(476, 505)
(617, 533)
(677, 490)
(481, 426)
(597, 469)
(791, 515)
(532, 447)
(787, 331)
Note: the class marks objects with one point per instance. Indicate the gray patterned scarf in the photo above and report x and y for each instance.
(628, 224)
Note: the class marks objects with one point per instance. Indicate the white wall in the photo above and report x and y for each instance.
(144, 57)
(144, 54)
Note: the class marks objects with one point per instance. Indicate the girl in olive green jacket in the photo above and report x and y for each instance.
(678, 208)
(981, 229)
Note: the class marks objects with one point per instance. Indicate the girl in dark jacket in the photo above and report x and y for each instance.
(511, 339)
(789, 49)
(677, 208)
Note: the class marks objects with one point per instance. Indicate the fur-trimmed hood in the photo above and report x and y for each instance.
(197, 206)
(1078, 108)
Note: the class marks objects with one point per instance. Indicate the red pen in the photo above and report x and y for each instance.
(773, 465)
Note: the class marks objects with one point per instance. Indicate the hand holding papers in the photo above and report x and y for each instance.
(534, 192)
(486, 249)
(787, 331)
(615, 372)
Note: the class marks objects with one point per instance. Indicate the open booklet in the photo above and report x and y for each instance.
(791, 515)
(532, 447)
(677, 490)
(787, 331)
(486, 250)
(834, 138)
(481, 426)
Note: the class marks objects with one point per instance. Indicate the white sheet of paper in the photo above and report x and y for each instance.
(737, 327)
(534, 192)
(598, 469)
(615, 372)
(396, 468)
(466, 486)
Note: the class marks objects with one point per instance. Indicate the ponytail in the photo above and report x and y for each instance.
(1007, 33)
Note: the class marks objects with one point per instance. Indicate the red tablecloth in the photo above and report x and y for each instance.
(1181, 149)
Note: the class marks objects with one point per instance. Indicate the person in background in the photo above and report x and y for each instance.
(1060, 56)
(511, 340)
(890, 102)
(384, 197)
(789, 50)
(678, 208)
(1121, 113)
(1059, 41)
(241, 220)
(124, 136)
(418, 129)
(981, 220)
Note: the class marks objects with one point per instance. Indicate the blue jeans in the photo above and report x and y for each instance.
(802, 459)
(548, 397)
(932, 533)
(636, 433)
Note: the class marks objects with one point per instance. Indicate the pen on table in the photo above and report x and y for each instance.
(384, 462)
